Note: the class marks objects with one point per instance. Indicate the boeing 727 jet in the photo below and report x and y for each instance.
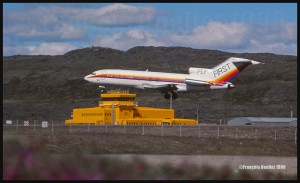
(198, 79)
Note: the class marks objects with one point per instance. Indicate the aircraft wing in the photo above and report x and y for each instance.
(160, 86)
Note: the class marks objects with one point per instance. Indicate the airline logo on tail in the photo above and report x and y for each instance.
(223, 69)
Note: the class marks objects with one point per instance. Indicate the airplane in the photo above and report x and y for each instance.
(198, 79)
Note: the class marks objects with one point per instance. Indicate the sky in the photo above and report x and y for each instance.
(56, 28)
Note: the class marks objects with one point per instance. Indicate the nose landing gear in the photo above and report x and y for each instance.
(102, 89)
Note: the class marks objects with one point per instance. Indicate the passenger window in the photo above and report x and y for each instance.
(94, 73)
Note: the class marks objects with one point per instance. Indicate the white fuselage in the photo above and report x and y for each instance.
(139, 79)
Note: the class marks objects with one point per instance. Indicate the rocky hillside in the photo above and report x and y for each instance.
(49, 87)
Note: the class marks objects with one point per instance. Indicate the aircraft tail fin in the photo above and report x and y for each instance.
(229, 69)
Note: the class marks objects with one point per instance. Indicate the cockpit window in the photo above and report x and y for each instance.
(94, 73)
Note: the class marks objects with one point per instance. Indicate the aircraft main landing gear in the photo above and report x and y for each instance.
(174, 95)
(167, 96)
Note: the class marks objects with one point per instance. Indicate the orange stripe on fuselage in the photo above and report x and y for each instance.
(135, 77)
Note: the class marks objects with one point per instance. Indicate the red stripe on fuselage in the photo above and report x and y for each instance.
(133, 77)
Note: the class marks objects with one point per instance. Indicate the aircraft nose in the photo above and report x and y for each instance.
(86, 77)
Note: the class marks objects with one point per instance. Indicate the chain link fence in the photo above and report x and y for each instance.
(251, 132)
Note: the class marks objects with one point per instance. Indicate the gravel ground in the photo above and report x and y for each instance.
(155, 141)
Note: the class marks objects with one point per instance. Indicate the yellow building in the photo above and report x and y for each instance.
(119, 108)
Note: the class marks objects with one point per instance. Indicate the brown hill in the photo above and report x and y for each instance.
(49, 87)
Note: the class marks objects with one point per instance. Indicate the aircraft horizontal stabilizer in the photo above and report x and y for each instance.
(255, 62)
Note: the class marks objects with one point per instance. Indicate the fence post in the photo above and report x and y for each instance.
(197, 116)
(275, 135)
(143, 129)
(88, 127)
(17, 126)
(70, 127)
(296, 136)
(199, 130)
(52, 126)
(236, 130)
(162, 129)
(255, 135)
(124, 129)
(218, 132)
(106, 127)
(180, 131)
(33, 125)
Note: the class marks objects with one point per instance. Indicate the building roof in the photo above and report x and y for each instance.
(266, 119)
